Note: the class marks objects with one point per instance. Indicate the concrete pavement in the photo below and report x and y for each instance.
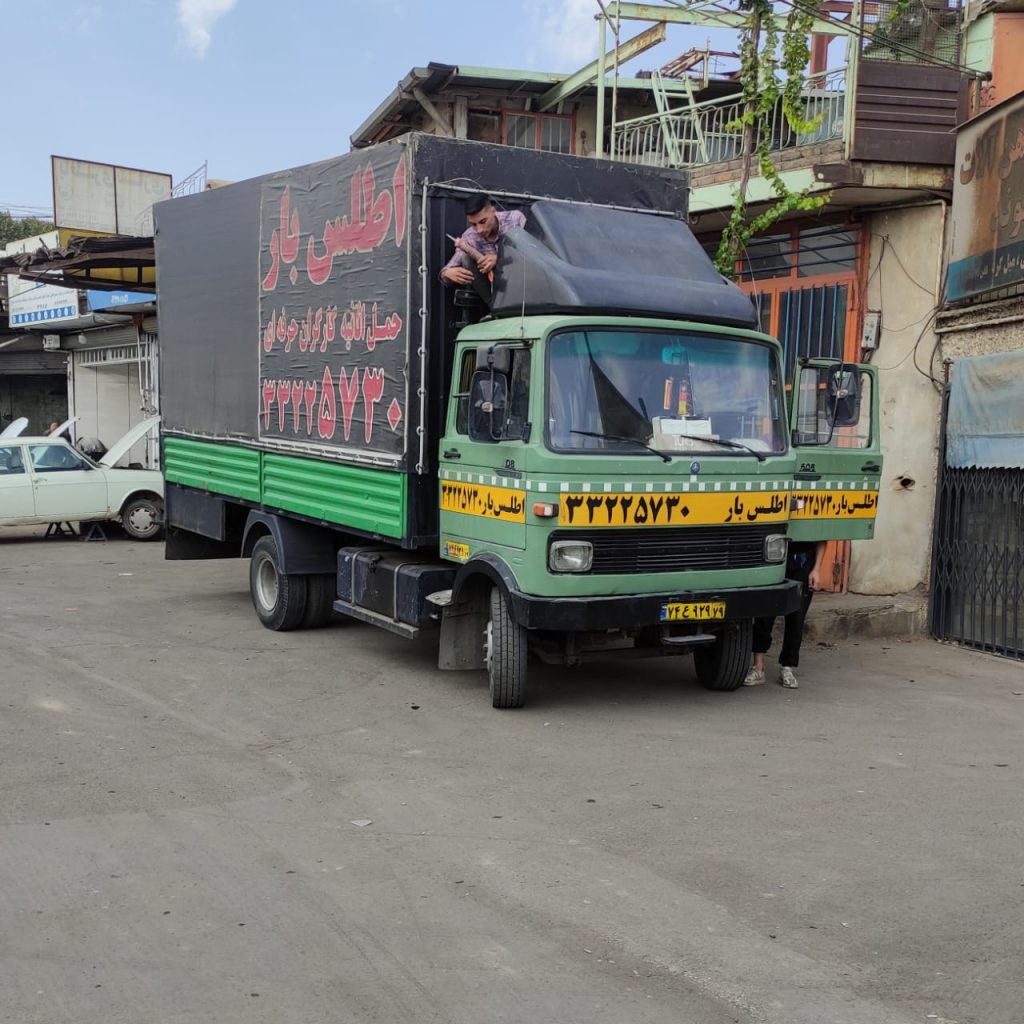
(183, 792)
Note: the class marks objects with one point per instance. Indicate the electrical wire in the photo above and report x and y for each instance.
(888, 246)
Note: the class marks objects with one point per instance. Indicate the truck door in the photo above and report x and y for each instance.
(834, 424)
(482, 478)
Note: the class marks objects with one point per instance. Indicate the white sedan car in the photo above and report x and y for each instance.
(45, 480)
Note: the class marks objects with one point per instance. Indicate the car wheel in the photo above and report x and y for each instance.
(143, 518)
(279, 598)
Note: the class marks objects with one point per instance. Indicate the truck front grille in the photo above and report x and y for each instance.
(675, 549)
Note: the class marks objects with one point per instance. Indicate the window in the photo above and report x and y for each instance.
(54, 458)
(11, 462)
(550, 132)
(617, 391)
(518, 394)
(554, 133)
(803, 252)
(827, 418)
(462, 392)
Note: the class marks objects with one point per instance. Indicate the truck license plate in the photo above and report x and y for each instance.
(693, 611)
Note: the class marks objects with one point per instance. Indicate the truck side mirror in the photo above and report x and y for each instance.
(488, 406)
(494, 357)
(842, 404)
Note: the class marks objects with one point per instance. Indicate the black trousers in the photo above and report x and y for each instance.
(798, 567)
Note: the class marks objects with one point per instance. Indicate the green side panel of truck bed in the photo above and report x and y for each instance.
(219, 468)
(366, 499)
(371, 500)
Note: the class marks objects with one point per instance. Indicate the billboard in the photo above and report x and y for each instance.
(987, 242)
(105, 198)
(334, 321)
(36, 303)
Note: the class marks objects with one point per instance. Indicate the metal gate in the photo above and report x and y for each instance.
(977, 584)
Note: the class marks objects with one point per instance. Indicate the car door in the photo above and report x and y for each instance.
(834, 423)
(16, 497)
(66, 486)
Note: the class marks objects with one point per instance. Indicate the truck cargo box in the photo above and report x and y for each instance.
(305, 334)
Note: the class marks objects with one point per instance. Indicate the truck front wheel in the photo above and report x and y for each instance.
(505, 651)
(279, 598)
(723, 664)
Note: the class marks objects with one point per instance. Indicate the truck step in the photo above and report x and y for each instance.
(376, 619)
(686, 641)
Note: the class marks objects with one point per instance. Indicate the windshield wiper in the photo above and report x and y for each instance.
(621, 437)
(727, 444)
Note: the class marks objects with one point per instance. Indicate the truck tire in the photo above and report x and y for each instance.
(279, 598)
(320, 594)
(723, 664)
(142, 518)
(505, 651)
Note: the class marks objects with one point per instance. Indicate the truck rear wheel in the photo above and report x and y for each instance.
(723, 664)
(505, 650)
(320, 595)
(279, 598)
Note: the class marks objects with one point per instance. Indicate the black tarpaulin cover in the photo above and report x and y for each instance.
(591, 259)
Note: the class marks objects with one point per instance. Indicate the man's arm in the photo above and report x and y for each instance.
(814, 579)
(455, 270)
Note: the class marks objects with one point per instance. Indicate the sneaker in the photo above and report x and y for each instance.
(754, 676)
(787, 679)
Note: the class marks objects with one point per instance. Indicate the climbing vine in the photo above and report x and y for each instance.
(772, 75)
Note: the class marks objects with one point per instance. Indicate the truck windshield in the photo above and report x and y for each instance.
(671, 390)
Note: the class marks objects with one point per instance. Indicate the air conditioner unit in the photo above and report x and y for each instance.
(51, 342)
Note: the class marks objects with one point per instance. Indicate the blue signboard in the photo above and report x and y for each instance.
(106, 301)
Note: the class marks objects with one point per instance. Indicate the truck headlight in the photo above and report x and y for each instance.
(570, 556)
(775, 547)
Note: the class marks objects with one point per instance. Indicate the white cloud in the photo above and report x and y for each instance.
(197, 18)
(566, 32)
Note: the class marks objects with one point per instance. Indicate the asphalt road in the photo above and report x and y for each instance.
(184, 796)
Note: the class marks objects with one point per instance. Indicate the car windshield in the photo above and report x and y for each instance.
(615, 390)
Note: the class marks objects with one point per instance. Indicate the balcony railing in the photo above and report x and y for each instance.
(705, 133)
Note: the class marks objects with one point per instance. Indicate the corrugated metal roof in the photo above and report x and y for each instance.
(76, 264)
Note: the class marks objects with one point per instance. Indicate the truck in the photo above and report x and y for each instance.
(593, 454)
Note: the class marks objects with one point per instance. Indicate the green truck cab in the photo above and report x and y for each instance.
(604, 459)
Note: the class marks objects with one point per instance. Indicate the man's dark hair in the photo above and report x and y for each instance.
(476, 202)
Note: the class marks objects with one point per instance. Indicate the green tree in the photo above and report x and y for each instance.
(773, 59)
(12, 229)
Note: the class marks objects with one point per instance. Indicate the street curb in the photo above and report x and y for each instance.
(842, 616)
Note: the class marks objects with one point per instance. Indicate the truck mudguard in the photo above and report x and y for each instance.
(301, 547)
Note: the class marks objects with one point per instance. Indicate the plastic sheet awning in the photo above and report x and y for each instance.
(985, 420)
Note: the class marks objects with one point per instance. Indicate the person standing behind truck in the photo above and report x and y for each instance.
(803, 564)
(479, 242)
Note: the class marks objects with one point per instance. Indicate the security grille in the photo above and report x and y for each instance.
(621, 551)
(977, 587)
(978, 560)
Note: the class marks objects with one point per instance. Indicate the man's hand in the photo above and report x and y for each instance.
(487, 263)
(457, 275)
(814, 580)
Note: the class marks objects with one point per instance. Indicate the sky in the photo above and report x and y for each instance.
(246, 86)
